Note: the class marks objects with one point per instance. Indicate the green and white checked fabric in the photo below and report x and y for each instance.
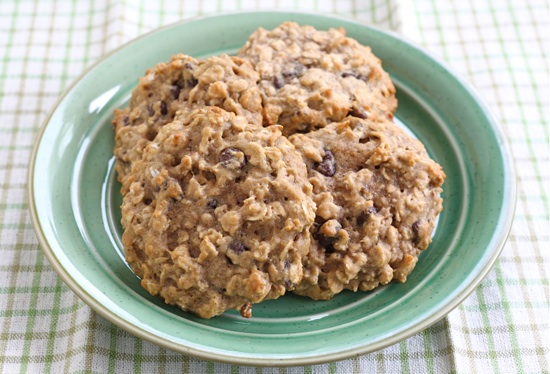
(501, 46)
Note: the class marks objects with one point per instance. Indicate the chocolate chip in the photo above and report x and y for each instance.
(289, 285)
(358, 112)
(175, 91)
(192, 82)
(327, 166)
(151, 135)
(354, 74)
(294, 70)
(302, 128)
(319, 221)
(278, 81)
(363, 217)
(213, 203)
(228, 157)
(125, 120)
(326, 242)
(237, 247)
(163, 108)
(346, 74)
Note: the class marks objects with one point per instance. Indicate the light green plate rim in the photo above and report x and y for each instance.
(73, 201)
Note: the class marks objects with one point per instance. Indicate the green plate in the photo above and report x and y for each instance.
(74, 202)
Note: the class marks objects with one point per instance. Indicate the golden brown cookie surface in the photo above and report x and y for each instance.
(377, 194)
(182, 84)
(309, 78)
(217, 213)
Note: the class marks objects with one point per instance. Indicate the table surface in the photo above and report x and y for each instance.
(500, 46)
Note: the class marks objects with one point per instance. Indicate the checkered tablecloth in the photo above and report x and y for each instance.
(501, 46)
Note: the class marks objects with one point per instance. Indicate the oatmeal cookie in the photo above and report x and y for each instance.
(378, 196)
(182, 84)
(309, 78)
(217, 213)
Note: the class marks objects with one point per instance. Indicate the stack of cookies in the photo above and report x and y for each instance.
(280, 169)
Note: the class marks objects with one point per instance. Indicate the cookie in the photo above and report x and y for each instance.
(378, 196)
(217, 213)
(182, 84)
(309, 78)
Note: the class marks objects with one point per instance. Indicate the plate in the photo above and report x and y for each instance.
(74, 202)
